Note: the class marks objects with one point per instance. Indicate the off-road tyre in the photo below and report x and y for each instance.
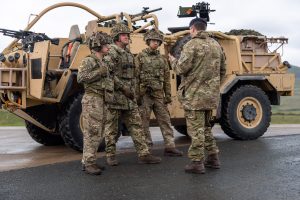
(69, 125)
(177, 48)
(246, 113)
(182, 129)
(47, 115)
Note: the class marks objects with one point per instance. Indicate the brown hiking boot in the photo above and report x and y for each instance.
(112, 161)
(172, 152)
(92, 169)
(149, 159)
(196, 167)
(212, 161)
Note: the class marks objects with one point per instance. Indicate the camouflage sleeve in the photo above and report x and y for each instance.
(137, 74)
(89, 71)
(167, 84)
(185, 63)
(222, 67)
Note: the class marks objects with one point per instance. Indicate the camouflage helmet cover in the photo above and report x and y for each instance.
(99, 39)
(154, 35)
(118, 29)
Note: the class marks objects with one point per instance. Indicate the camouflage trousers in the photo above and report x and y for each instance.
(93, 118)
(133, 122)
(199, 129)
(162, 116)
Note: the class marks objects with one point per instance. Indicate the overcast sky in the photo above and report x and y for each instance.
(270, 17)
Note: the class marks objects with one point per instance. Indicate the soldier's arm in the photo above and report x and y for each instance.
(185, 63)
(222, 67)
(167, 84)
(89, 71)
(137, 74)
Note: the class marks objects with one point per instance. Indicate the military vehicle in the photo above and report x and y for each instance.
(38, 76)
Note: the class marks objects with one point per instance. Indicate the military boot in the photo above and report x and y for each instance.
(212, 161)
(112, 161)
(99, 166)
(172, 152)
(196, 167)
(149, 159)
(92, 169)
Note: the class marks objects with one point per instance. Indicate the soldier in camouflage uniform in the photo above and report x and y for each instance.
(154, 90)
(125, 106)
(201, 66)
(94, 74)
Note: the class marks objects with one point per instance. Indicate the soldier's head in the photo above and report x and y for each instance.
(120, 34)
(99, 42)
(153, 38)
(196, 25)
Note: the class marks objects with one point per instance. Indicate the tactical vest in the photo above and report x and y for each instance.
(124, 69)
(104, 85)
(152, 66)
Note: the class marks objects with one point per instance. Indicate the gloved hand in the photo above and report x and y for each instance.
(128, 93)
(167, 100)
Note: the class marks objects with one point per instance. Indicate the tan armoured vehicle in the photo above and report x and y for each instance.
(38, 76)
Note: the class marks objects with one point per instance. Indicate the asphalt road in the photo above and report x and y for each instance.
(267, 168)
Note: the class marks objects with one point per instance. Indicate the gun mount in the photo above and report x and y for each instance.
(201, 10)
(28, 38)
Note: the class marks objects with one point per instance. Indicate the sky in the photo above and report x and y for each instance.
(273, 18)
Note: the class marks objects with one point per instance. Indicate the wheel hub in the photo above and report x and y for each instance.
(249, 112)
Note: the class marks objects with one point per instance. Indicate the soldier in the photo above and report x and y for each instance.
(201, 66)
(154, 90)
(125, 107)
(94, 74)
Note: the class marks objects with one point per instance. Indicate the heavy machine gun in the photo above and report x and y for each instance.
(28, 38)
(200, 10)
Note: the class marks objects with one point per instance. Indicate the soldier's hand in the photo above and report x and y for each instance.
(171, 58)
(167, 100)
(128, 93)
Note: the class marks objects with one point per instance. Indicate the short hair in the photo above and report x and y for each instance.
(200, 24)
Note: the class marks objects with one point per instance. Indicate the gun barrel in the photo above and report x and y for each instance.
(154, 10)
(145, 12)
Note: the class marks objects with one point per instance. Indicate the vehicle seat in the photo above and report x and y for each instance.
(70, 48)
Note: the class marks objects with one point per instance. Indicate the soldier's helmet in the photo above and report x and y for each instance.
(118, 29)
(153, 35)
(99, 39)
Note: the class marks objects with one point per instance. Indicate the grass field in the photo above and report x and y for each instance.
(8, 119)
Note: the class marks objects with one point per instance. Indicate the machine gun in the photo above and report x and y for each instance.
(145, 11)
(200, 10)
(28, 38)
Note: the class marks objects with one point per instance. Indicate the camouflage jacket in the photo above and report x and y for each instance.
(153, 74)
(201, 65)
(94, 74)
(121, 62)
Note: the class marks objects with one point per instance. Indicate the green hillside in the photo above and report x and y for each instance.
(289, 109)
(296, 71)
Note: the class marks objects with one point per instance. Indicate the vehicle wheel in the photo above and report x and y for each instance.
(71, 125)
(177, 48)
(181, 129)
(246, 113)
(47, 115)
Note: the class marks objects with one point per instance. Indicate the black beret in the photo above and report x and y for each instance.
(198, 20)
